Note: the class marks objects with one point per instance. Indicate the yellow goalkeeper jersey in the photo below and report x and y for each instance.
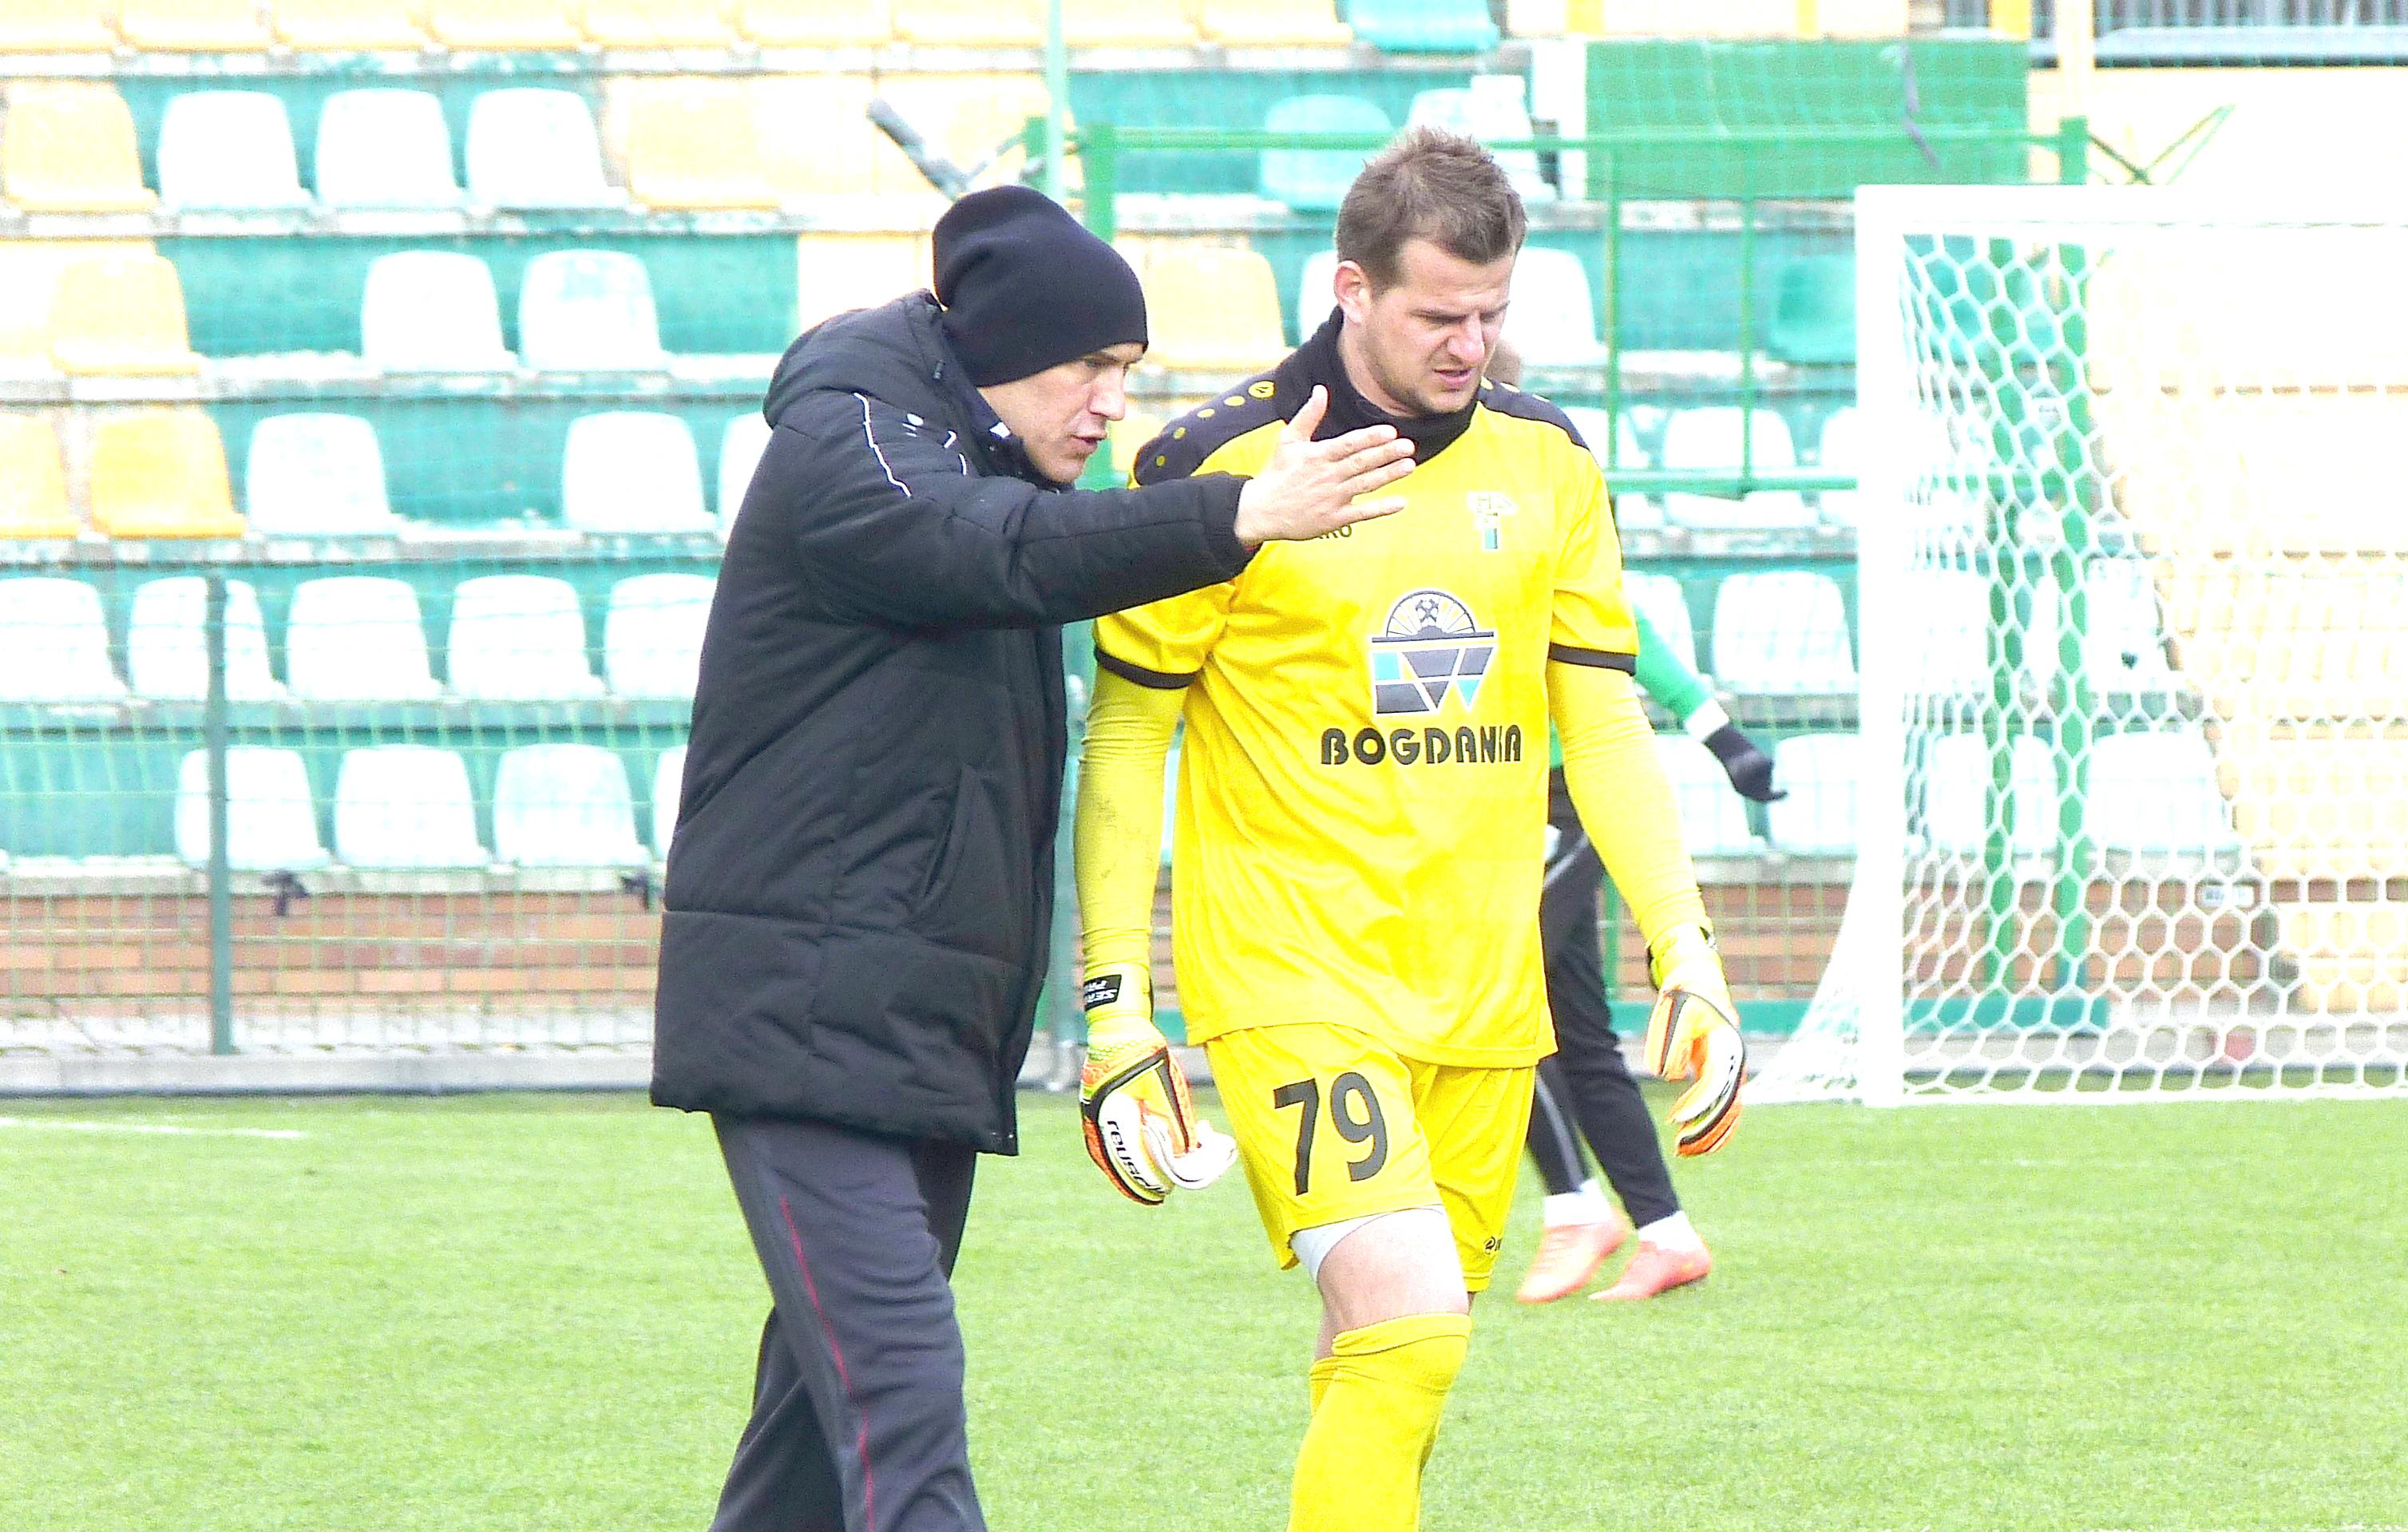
(1363, 792)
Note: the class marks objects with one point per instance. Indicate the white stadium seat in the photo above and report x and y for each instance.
(565, 805)
(406, 807)
(166, 645)
(317, 475)
(589, 311)
(1947, 622)
(1956, 780)
(427, 310)
(1491, 108)
(669, 783)
(632, 472)
(535, 148)
(357, 638)
(740, 446)
(1784, 633)
(1552, 319)
(1819, 773)
(229, 150)
(1658, 599)
(1707, 439)
(55, 636)
(519, 639)
(652, 641)
(2157, 794)
(1713, 816)
(1629, 510)
(384, 148)
(271, 820)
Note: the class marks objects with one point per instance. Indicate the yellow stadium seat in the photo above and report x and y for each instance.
(2351, 957)
(816, 23)
(972, 23)
(120, 314)
(819, 148)
(1214, 309)
(692, 143)
(969, 118)
(68, 147)
(504, 24)
(1125, 437)
(194, 26)
(2319, 808)
(33, 484)
(162, 473)
(1273, 24)
(56, 26)
(658, 24)
(836, 272)
(29, 270)
(1126, 23)
(345, 25)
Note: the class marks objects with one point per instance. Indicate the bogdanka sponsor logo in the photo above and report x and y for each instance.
(1428, 658)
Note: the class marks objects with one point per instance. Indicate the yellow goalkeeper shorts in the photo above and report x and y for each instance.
(1332, 1124)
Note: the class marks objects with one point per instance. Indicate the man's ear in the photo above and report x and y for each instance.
(1352, 286)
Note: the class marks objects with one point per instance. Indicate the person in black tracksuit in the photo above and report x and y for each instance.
(860, 882)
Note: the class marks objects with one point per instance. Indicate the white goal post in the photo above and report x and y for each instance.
(2132, 807)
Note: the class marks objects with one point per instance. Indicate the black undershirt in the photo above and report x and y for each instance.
(1317, 361)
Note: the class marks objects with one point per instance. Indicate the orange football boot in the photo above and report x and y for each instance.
(1568, 1255)
(1655, 1269)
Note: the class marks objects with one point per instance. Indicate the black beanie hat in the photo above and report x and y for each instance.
(1026, 288)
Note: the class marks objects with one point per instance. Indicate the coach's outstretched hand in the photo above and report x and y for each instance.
(1309, 488)
(1694, 1030)
(1142, 1131)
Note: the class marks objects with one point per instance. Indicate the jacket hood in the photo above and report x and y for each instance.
(891, 352)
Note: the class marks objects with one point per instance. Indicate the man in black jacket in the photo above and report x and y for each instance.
(860, 885)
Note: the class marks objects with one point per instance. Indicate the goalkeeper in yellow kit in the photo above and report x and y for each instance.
(1362, 807)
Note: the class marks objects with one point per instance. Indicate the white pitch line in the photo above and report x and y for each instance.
(73, 1126)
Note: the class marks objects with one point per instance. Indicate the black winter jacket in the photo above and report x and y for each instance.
(861, 881)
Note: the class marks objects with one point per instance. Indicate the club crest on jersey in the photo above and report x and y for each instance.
(1488, 513)
(1430, 646)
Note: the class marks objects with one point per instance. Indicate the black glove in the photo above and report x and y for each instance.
(1749, 768)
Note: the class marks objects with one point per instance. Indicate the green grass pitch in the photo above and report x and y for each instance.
(538, 1312)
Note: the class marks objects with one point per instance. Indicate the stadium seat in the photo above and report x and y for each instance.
(384, 148)
(69, 147)
(669, 784)
(1818, 817)
(1814, 311)
(1552, 317)
(820, 152)
(658, 24)
(1956, 784)
(1659, 599)
(565, 805)
(503, 25)
(1272, 24)
(432, 311)
(740, 446)
(519, 639)
(970, 24)
(1424, 26)
(1598, 428)
(1713, 818)
(357, 638)
(1841, 449)
(317, 475)
(2352, 957)
(588, 311)
(29, 272)
(632, 472)
(1707, 440)
(33, 480)
(56, 637)
(1126, 23)
(1784, 633)
(345, 26)
(693, 144)
(2156, 795)
(271, 820)
(1214, 309)
(1316, 179)
(1493, 108)
(1940, 506)
(227, 149)
(2304, 640)
(406, 807)
(535, 148)
(1315, 296)
(838, 272)
(816, 23)
(652, 639)
(194, 26)
(1946, 617)
(56, 26)
(2124, 648)
(119, 314)
(166, 643)
(162, 473)
(2321, 808)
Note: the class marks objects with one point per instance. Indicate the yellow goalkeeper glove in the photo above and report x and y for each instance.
(1694, 1030)
(1142, 1131)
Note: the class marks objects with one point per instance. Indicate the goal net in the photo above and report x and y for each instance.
(2132, 794)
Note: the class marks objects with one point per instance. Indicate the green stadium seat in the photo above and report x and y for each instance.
(1424, 26)
(78, 794)
(33, 480)
(166, 645)
(1316, 179)
(162, 473)
(271, 820)
(55, 634)
(69, 147)
(405, 808)
(228, 149)
(565, 805)
(1814, 311)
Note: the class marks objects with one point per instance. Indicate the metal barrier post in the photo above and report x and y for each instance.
(213, 725)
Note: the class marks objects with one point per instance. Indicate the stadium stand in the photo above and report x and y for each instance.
(385, 146)
(1948, 613)
(167, 644)
(1316, 179)
(55, 634)
(565, 805)
(32, 481)
(656, 23)
(56, 26)
(162, 473)
(1782, 633)
(405, 808)
(432, 311)
(119, 314)
(227, 151)
(1272, 24)
(1126, 23)
(586, 310)
(1660, 599)
(347, 26)
(1957, 782)
(1213, 310)
(1491, 108)
(816, 23)
(69, 147)
(357, 638)
(316, 474)
(970, 24)
(1713, 819)
(504, 24)
(1814, 311)
(2156, 795)
(692, 144)
(1424, 26)
(652, 639)
(518, 638)
(669, 783)
(843, 271)
(1818, 817)
(194, 26)
(531, 146)
(1551, 320)
(632, 472)
(271, 819)
(1708, 437)
(741, 442)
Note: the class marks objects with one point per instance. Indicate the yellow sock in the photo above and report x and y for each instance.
(1377, 1398)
